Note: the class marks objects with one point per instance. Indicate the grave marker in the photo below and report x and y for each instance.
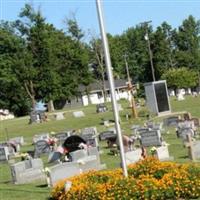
(59, 116)
(4, 153)
(17, 140)
(172, 121)
(133, 156)
(189, 145)
(41, 147)
(78, 114)
(151, 138)
(62, 171)
(43, 136)
(106, 135)
(162, 153)
(27, 171)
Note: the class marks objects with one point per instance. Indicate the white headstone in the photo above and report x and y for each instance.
(78, 114)
(162, 153)
(196, 149)
(59, 116)
(79, 154)
(180, 97)
(133, 156)
(27, 171)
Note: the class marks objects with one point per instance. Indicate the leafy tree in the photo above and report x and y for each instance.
(12, 95)
(178, 78)
(163, 50)
(137, 52)
(187, 40)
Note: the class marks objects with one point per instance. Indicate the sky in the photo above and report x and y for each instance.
(118, 14)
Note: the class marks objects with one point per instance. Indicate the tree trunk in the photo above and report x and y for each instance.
(50, 106)
(31, 93)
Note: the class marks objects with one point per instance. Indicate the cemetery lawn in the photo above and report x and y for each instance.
(20, 127)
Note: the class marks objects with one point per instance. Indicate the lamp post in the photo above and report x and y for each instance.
(112, 87)
(146, 37)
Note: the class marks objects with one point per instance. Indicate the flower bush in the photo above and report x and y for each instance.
(148, 179)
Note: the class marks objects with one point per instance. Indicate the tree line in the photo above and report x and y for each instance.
(40, 62)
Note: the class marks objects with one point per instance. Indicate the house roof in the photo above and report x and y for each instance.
(97, 86)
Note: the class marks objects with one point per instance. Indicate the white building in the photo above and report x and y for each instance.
(94, 93)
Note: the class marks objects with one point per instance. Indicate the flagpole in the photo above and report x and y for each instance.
(112, 87)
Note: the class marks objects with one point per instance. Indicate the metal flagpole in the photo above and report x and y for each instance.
(112, 87)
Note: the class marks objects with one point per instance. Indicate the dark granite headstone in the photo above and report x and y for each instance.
(41, 147)
(151, 138)
(106, 135)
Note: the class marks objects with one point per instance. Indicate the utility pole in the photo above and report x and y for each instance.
(146, 37)
(130, 88)
(112, 87)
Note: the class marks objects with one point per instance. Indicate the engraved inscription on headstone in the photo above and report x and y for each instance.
(151, 138)
(41, 147)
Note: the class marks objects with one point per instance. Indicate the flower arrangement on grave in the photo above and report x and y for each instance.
(153, 151)
(148, 179)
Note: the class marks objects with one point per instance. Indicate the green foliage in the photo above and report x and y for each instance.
(44, 63)
(180, 78)
(143, 112)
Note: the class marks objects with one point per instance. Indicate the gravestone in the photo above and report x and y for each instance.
(17, 140)
(171, 121)
(62, 136)
(183, 133)
(151, 138)
(27, 171)
(4, 153)
(101, 108)
(79, 154)
(34, 117)
(133, 156)
(43, 136)
(196, 149)
(90, 136)
(89, 163)
(93, 151)
(12, 149)
(78, 114)
(41, 147)
(193, 148)
(62, 171)
(186, 124)
(59, 116)
(106, 135)
(89, 130)
(162, 153)
(142, 129)
(180, 97)
(157, 99)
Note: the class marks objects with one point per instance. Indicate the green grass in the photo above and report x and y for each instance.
(20, 127)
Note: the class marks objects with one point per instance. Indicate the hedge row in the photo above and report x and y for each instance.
(148, 179)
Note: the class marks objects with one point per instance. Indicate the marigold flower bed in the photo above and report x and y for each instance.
(148, 179)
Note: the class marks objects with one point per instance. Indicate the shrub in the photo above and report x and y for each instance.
(148, 179)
